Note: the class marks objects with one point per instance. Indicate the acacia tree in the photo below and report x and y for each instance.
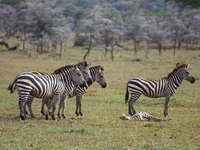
(111, 29)
(134, 27)
(184, 3)
(8, 19)
(88, 28)
(44, 23)
(100, 26)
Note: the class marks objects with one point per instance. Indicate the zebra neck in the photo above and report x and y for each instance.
(175, 81)
(92, 72)
(64, 77)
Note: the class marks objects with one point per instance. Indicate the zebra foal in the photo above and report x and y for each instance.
(50, 86)
(141, 116)
(164, 87)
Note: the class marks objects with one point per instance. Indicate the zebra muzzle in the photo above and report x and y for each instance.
(104, 85)
(84, 84)
(193, 80)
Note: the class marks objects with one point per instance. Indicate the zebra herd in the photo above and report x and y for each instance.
(73, 80)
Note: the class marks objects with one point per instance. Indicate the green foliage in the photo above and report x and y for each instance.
(11, 1)
(192, 3)
(74, 11)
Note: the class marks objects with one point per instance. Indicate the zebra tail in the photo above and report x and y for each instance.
(127, 94)
(11, 88)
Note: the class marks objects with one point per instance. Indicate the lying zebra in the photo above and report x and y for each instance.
(96, 75)
(141, 116)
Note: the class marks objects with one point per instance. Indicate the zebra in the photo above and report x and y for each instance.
(84, 68)
(141, 116)
(164, 87)
(97, 75)
(50, 86)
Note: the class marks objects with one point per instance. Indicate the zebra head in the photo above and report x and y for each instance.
(84, 68)
(187, 75)
(124, 117)
(78, 78)
(99, 77)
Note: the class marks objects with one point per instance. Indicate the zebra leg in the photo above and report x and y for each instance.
(77, 105)
(30, 100)
(42, 107)
(48, 104)
(22, 103)
(80, 106)
(25, 111)
(53, 106)
(167, 100)
(130, 104)
(63, 106)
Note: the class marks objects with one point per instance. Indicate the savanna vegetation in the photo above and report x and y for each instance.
(129, 38)
(101, 127)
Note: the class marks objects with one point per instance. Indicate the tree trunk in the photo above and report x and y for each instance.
(135, 47)
(174, 48)
(112, 58)
(60, 49)
(159, 48)
(88, 51)
(24, 40)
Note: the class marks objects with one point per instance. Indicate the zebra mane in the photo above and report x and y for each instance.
(83, 63)
(38, 72)
(178, 65)
(63, 68)
(102, 69)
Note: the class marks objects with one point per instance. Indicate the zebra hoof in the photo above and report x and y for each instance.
(32, 116)
(46, 117)
(23, 118)
(64, 117)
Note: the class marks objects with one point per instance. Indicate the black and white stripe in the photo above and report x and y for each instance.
(96, 75)
(141, 116)
(84, 68)
(50, 86)
(164, 87)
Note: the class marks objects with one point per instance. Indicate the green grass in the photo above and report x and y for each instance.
(100, 127)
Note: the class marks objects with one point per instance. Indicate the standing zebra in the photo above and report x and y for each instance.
(50, 86)
(141, 116)
(97, 75)
(84, 68)
(164, 87)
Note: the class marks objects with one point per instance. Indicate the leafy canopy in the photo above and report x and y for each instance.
(183, 3)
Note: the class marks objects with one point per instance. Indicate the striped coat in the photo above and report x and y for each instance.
(164, 87)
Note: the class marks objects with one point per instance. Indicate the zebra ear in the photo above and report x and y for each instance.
(89, 64)
(101, 68)
(187, 65)
(75, 66)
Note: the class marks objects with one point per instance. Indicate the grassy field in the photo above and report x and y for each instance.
(100, 127)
